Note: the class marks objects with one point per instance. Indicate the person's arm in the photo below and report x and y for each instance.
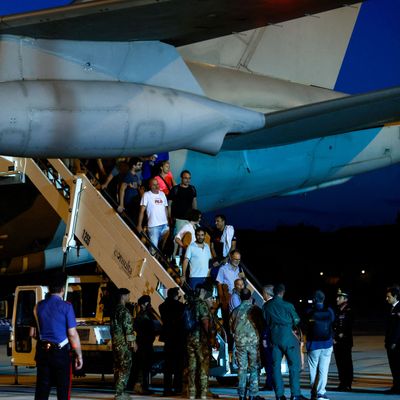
(233, 246)
(140, 219)
(184, 269)
(194, 203)
(108, 180)
(206, 325)
(75, 343)
(122, 190)
(33, 332)
(179, 241)
(169, 209)
(101, 167)
(167, 213)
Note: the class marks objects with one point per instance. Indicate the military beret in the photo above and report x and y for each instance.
(122, 291)
(341, 292)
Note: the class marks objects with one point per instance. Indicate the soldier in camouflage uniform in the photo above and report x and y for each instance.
(123, 341)
(198, 346)
(246, 324)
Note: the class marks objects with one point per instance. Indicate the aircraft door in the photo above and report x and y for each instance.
(23, 346)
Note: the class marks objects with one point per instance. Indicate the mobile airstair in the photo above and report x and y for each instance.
(93, 222)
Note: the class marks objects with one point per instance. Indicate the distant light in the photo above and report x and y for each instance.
(301, 300)
(363, 271)
(321, 273)
(309, 301)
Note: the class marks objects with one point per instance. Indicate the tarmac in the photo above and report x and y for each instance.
(371, 377)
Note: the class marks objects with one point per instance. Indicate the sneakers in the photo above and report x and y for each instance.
(322, 397)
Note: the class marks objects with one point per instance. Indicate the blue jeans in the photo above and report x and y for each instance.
(157, 232)
(193, 282)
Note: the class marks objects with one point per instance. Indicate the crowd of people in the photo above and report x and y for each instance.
(213, 280)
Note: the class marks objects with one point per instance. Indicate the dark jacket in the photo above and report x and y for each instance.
(392, 335)
(343, 326)
(171, 316)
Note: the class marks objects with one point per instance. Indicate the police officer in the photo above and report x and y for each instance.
(246, 326)
(281, 318)
(123, 341)
(343, 341)
(57, 335)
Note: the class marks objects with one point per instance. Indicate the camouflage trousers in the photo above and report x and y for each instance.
(198, 366)
(247, 358)
(122, 369)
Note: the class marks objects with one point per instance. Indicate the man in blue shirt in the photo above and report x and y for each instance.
(57, 335)
(319, 344)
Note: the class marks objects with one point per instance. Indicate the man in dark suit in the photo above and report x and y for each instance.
(392, 337)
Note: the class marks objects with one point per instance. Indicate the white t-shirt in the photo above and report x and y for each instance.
(188, 227)
(155, 208)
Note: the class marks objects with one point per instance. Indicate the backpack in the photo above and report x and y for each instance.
(190, 322)
(320, 325)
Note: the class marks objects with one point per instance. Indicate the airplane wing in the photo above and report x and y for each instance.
(321, 119)
(176, 22)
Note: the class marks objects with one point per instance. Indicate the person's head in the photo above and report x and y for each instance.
(392, 294)
(144, 301)
(154, 186)
(235, 258)
(220, 222)
(57, 285)
(200, 234)
(268, 292)
(194, 216)
(165, 166)
(123, 295)
(185, 178)
(318, 297)
(239, 284)
(135, 164)
(245, 294)
(173, 293)
(279, 290)
(342, 297)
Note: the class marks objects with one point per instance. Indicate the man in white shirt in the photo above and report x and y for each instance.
(199, 256)
(155, 203)
(188, 228)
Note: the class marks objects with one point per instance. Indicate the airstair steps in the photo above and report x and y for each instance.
(111, 242)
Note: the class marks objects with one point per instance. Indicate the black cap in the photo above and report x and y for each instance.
(122, 291)
(144, 299)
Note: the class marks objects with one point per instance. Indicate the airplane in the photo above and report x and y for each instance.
(257, 124)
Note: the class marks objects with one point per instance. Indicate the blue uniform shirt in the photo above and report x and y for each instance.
(55, 317)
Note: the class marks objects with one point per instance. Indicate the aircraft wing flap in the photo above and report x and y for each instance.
(322, 119)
